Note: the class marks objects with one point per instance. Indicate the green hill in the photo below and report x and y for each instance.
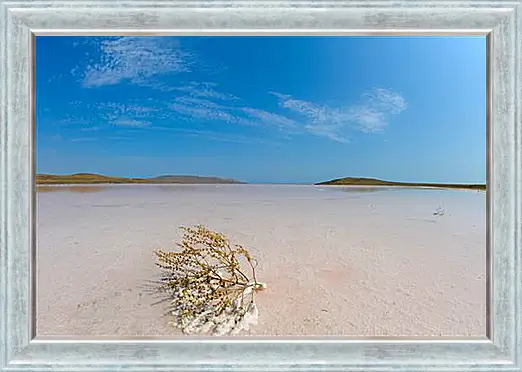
(91, 178)
(353, 181)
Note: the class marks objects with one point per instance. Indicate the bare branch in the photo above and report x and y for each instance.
(208, 290)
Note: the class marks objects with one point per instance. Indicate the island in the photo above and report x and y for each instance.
(354, 181)
(92, 178)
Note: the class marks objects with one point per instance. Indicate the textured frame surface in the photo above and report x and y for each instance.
(20, 20)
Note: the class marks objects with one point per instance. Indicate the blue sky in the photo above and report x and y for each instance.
(263, 109)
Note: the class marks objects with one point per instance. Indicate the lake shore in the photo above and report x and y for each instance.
(336, 261)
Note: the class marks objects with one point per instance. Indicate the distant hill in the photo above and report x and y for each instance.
(91, 178)
(191, 179)
(349, 181)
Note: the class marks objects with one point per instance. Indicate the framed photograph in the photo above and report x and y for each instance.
(260, 185)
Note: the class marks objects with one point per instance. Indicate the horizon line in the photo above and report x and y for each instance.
(263, 182)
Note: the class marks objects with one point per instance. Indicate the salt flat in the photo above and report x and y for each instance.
(338, 260)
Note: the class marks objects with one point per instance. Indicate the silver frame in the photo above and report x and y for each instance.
(21, 20)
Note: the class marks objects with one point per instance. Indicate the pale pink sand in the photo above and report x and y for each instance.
(336, 262)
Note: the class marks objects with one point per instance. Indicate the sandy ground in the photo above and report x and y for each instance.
(337, 262)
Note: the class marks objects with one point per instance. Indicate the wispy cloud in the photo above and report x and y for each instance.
(103, 114)
(371, 114)
(377, 109)
(71, 120)
(205, 90)
(219, 110)
(133, 59)
(128, 122)
(145, 61)
(90, 129)
(199, 109)
(267, 118)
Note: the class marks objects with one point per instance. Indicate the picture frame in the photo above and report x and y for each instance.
(22, 20)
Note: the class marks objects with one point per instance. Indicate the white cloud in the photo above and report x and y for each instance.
(106, 113)
(205, 90)
(327, 132)
(386, 100)
(127, 122)
(134, 59)
(90, 129)
(199, 102)
(268, 118)
(205, 109)
(145, 61)
(199, 109)
(372, 114)
(113, 111)
(375, 112)
(193, 112)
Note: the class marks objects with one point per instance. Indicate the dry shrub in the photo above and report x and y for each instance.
(210, 291)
